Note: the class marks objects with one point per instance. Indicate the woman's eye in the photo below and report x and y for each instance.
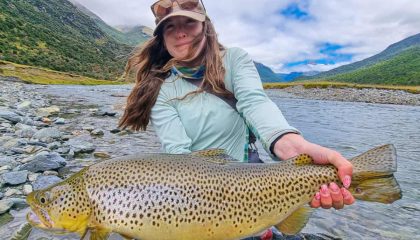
(168, 27)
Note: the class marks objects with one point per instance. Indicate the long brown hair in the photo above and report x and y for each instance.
(154, 63)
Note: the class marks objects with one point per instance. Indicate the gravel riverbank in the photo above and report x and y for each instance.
(368, 95)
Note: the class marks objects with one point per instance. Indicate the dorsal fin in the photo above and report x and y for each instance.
(214, 152)
(215, 155)
(296, 221)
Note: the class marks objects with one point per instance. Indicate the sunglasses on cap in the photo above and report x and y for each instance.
(162, 8)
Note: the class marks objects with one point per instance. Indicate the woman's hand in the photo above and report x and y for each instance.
(291, 145)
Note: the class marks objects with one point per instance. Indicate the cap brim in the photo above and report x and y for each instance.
(194, 15)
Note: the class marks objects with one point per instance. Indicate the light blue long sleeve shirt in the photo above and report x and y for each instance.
(204, 121)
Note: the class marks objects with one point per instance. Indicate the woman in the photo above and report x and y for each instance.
(185, 53)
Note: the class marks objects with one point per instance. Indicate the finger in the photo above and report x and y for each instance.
(345, 168)
(336, 196)
(348, 198)
(326, 201)
(316, 201)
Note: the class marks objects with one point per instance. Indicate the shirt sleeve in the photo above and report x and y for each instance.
(261, 114)
(168, 126)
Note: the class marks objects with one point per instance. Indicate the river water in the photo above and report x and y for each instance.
(350, 128)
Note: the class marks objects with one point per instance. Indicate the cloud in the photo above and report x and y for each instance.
(280, 32)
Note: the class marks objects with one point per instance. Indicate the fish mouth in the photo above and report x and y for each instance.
(40, 219)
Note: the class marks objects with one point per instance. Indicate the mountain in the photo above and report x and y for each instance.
(397, 64)
(266, 74)
(402, 69)
(126, 35)
(55, 34)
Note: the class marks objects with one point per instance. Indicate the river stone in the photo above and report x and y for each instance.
(45, 181)
(33, 176)
(11, 143)
(27, 188)
(19, 203)
(50, 173)
(24, 105)
(47, 135)
(10, 116)
(24, 131)
(5, 168)
(7, 161)
(81, 146)
(5, 205)
(12, 192)
(15, 178)
(105, 112)
(48, 111)
(60, 121)
(97, 132)
(44, 161)
(6, 125)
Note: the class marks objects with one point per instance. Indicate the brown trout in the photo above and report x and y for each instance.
(200, 196)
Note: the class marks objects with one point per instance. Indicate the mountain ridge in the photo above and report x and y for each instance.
(388, 53)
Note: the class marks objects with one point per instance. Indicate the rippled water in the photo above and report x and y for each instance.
(353, 128)
(350, 128)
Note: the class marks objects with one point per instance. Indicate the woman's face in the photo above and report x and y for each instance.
(179, 33)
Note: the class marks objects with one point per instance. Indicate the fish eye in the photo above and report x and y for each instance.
(43, 198)
(358, 190)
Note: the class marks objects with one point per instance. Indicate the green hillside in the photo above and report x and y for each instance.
(402, 69)
(390, 52)
(133, 36)
(54, 34)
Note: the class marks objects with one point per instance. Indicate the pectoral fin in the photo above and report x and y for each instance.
(294, 223)
(99, 234)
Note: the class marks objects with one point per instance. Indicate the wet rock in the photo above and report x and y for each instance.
(44, 161)
(27, 188)
(47, 135)
(115, 130)
(5, 168)
(25, 131)
(37, 143)
(97, 132)
(105, 112)
(5, 205)
(45, 181)
(24, 105)
(33, 176)
(48, 111)
(15, 178)
(7, 161)
(81, 146)
(12, 192)
(11, 143)
(60, 121)
(13, 117)
(50, 173)
(54, 145)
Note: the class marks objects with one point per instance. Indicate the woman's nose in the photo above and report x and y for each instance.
(180, 33)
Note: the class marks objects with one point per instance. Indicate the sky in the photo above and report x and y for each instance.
(291, 35)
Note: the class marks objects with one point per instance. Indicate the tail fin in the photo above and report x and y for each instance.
(373, 178)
